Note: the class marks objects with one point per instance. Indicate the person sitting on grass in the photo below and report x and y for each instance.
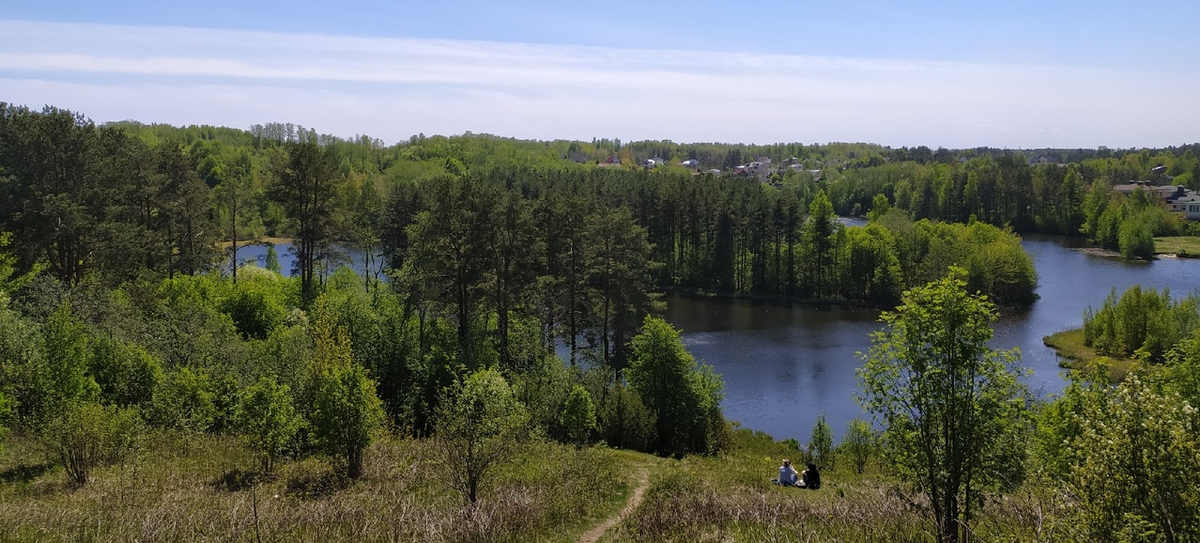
(788, 475)
(811, 478)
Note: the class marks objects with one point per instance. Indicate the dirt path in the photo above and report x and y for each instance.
(642, 480)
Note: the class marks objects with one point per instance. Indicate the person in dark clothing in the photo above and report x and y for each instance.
(810, 478)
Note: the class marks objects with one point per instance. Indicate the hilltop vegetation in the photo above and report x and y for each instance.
(148, 387)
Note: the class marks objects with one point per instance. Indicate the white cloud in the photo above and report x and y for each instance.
(392, 88)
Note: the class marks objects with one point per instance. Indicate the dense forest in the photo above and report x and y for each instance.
(488, 258)
(511, 246)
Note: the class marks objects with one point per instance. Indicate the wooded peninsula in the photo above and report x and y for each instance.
(498, 369)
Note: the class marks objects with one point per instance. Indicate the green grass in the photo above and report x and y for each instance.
(1188, 246)
(1074, 355)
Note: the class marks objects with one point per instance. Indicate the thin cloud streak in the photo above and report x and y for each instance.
(392, 88)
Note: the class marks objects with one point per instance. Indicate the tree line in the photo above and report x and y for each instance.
(116, 322)
(1074, 199)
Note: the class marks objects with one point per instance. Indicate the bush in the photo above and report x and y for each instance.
(1135, 460)
(625, 422)
(184, 402)
(820, 444)
(267, 420)
(579, 416)
(346, 412)
(257, 304)
(127, 374)
(88, 434)
(683, 395)
(859, 444)
(479, 427)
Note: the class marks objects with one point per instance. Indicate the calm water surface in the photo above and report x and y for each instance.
(784, 365)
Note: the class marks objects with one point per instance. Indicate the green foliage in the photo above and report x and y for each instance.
(1183, 367)
(126, 374)
(256, 304)
(8, 267)
(543, 389)
(345, 413)
(624, 421)
(184, 402)
(953, 412)
(879, 207)
(1058, 421)
(267, 420)
(870, 269)
(1136, 237)
(859, 444)
(87, 434)
(1141, 324)
(820, 443)
(479, 426)
(1136, 457)
(7, 413)
(21, 364)
(306, 185)
(684, 396)
(579, 416)
(272, 257)
(63, 377)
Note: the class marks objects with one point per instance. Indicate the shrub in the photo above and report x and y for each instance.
(625, 422)
(579, 416)
(267, 420)
(346, 412)
(1135, 460)
(820, 444)
(478, 428)
(88, 434)
(859, 443)
(126, 373)
(184, 402)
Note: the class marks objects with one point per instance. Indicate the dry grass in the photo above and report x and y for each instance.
(206, 495)
(549, 494)
(731, 498)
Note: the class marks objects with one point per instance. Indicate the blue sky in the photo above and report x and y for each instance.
(954, 74)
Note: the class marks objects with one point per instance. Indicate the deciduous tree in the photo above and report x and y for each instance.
(952, 408)
(683, 395)
(479, 426)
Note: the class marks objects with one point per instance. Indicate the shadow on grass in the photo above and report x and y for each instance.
(24, 473)
(316, 485)
(238, 480)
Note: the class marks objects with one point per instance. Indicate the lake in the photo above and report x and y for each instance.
(784, 364)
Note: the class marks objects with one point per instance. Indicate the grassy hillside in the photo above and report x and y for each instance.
(199, 490)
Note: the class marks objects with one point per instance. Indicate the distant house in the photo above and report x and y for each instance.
(1161, 193)
(760, 168)
(1041, 159)
(1189, 207)
(690, 163)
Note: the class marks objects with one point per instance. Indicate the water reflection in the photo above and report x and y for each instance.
(784, 365)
